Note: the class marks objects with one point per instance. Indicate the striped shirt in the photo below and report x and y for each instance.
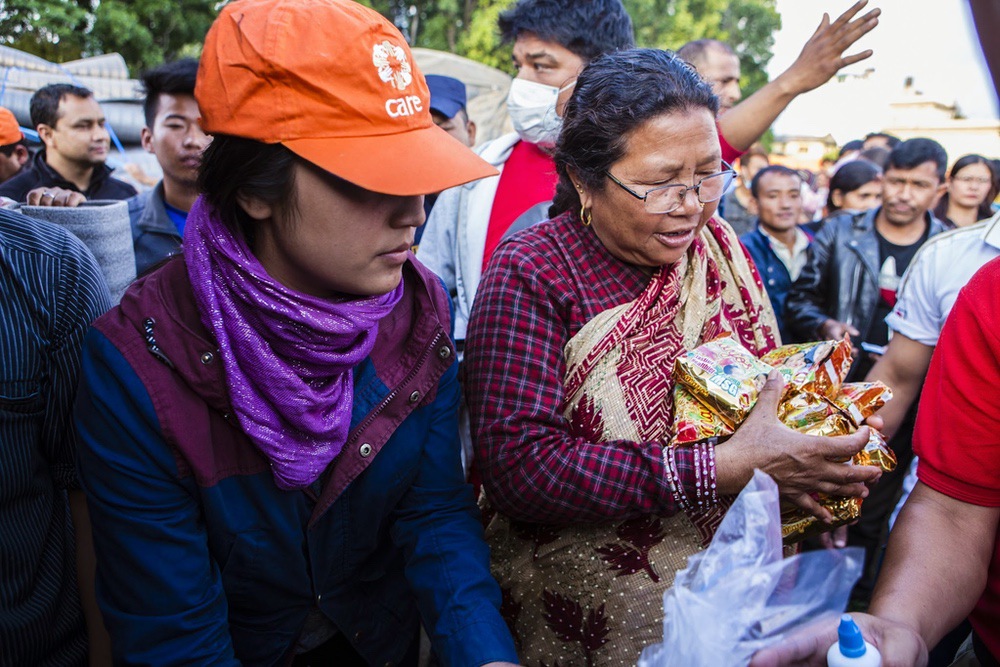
(51, 289)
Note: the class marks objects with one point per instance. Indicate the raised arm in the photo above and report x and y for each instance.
(821, 58)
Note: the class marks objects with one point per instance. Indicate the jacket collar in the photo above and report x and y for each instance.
(411, 354)
(154, 216)
(46, 173)
(864, 241)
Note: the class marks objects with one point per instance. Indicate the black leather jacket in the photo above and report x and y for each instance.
(840, 280)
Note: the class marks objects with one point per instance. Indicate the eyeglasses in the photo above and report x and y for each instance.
(667, 198)
(981, 180)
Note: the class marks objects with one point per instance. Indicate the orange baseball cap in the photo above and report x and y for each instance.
(10, 130)
(335, 83)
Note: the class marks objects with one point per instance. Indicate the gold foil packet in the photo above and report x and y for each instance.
(724, 376)
(805, 409)
(818, 367)
(860, 400)
(876, 453)
(694, 421)
(798, 525)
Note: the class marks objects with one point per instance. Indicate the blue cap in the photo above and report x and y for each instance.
(447, 94)
(852, 644)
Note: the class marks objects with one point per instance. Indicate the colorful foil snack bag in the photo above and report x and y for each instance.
(718, 384)
(724, 376)
(694, 421)
(818, 367)
(797, 525)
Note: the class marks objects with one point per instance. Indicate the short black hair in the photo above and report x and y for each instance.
(912, 153)
(876, 155)
(852, 145)
(173, 78)
(616, 94)
(696, 52)
(890, 139)
(851, 176)
(588, 28)
(44, 107)
(778, 169)
(235, 166)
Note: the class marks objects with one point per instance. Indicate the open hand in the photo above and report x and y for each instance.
(822, 56)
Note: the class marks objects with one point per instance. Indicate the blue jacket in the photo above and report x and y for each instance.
(777, 280)
(203, 560)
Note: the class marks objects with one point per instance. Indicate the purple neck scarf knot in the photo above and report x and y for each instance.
(288, 356)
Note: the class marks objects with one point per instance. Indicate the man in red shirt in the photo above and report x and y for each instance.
(943, 561)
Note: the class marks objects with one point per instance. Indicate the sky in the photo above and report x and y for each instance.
(933, 41)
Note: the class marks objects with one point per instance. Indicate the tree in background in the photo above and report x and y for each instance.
(468, 27)
(748, 26)
(147, 32)
(144, 32)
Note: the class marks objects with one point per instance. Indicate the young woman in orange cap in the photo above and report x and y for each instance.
(268, 422)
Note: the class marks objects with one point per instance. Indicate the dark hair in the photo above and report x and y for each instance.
(986, 206)
(588, 28)
(781, 170)
(696, 53)
(174, 78)
(912, 153)
(614, 95)
(45, 102)
(234, 166)
(877, 155)
(890, 139)
(852, 145)
(851, 176)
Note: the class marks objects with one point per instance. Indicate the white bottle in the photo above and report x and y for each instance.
(851, 649)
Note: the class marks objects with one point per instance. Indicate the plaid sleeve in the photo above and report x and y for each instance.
(532, 468)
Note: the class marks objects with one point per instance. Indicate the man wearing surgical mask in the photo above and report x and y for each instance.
(553, 41)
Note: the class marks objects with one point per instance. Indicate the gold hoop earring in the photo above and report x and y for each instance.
(586, 217)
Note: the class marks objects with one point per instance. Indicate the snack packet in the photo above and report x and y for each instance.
(804, 409)
(797, 525)
(860, 400)
(693, 421)
(724, 376)
(819, 367)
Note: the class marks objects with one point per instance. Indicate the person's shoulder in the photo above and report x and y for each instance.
(30, 235)
(496, 151)
(751, 239)
(17, 187)
(137, 203)
(539, 240)
(984, 286)
(118, 189)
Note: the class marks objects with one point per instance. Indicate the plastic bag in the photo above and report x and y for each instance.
(741, 594)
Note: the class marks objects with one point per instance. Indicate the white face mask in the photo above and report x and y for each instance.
(532, 108)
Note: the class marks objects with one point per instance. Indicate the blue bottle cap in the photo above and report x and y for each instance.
(852, 644)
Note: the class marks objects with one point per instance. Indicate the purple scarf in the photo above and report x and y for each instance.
(288, 356)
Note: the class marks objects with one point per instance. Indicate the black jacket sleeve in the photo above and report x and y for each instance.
(812, 298)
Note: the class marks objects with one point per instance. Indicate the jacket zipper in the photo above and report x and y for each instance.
(392, 394)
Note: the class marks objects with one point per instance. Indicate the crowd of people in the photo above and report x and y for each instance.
(266, 452)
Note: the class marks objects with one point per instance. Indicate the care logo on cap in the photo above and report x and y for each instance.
(393, 68)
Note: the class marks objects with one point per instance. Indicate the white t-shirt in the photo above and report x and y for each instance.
(939, 270)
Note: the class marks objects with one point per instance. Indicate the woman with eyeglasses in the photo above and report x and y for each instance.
(569, 365)
(970, 195)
